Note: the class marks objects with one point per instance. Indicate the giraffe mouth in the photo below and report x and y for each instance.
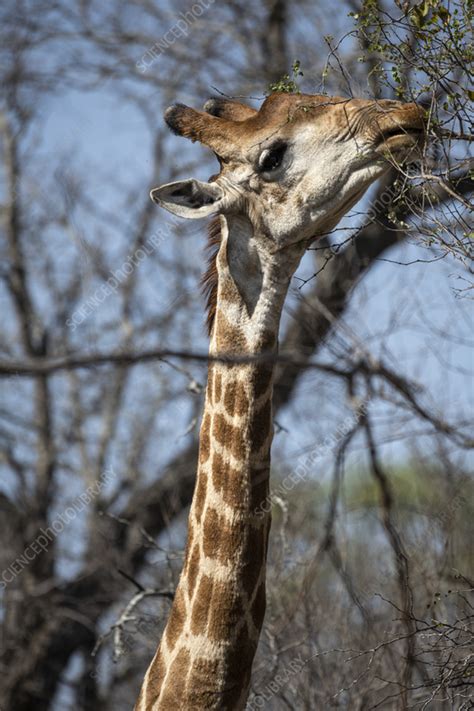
(400, 138)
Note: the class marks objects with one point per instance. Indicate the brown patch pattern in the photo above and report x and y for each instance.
(200, 495)
(268, 340)
(229, 436)
(236, 401)
(235, 487)
(202, 692)
(260, 426)
(229, 338)
(226, 611)
(262, 378)
(233, 484)
(217, 472)
(204, 439)
(157, 670)
(222, 540)
(201, 605)
(189, 542)
(176, 621)
(211, 533)
(217, 387)
(210, 384)
(193, 569)
(171, 696)
(201, 684)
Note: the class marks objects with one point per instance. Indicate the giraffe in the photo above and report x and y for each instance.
(288, 173)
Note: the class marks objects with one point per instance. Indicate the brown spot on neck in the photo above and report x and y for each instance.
(261, 427)
(200, 495)
(229, 337)
(176, 621)
(171, 696)
(192, 569)
(217, 387)
(230, 436)
(205, 439)
(201, 604)
(236, 401)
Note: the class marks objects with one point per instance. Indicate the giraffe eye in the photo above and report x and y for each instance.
(271, 158)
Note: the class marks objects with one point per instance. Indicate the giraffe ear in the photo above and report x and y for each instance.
(189, 198)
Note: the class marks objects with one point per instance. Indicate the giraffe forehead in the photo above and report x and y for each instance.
(284, 113)
(235, 135)
(232, 139)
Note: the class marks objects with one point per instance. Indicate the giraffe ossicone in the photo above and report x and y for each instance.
(288, 173)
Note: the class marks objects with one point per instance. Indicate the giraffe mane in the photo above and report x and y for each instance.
(209, 278)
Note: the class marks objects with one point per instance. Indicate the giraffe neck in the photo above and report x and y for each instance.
(205, 657)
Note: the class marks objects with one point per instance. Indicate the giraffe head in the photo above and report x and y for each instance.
(288, 173)
(294, 167)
